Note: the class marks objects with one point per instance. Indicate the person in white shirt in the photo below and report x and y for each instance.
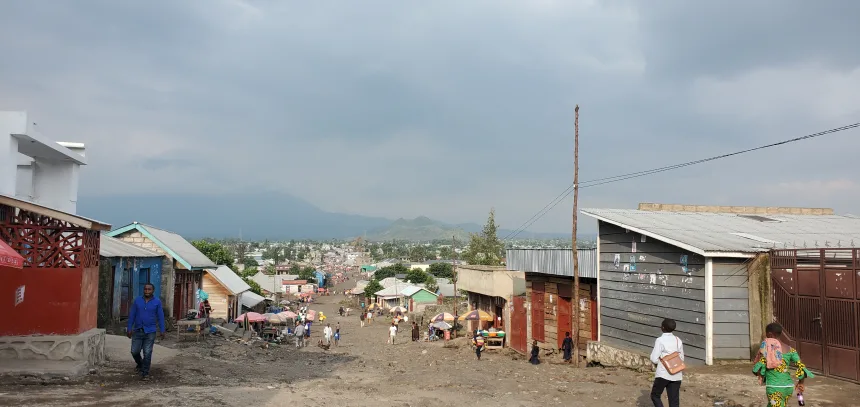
(664, 345)
(327, 333)
(392, 332)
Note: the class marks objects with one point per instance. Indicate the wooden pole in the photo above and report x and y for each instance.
(456, 297)
(576, 307)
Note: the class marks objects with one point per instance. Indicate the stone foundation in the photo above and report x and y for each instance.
(610, 355)
(88, 347)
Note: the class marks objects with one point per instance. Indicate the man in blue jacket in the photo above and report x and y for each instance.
(142, 318)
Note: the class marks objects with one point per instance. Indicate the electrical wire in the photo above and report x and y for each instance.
(623, 177)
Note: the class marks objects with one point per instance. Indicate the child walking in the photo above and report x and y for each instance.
(772, 369)
(665, 345)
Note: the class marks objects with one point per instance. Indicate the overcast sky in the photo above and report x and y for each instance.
(445, 108)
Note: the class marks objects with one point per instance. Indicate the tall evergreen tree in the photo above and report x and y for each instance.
(485, 248)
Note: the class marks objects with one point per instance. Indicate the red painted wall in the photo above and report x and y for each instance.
(52, 301)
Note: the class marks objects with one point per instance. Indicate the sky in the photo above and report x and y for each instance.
(445, 108)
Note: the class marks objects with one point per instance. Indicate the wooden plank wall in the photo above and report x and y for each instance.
(646, 286)
(731, 309)
(218, 296)
(552, 285)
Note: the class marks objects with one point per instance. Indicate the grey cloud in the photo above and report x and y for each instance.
(367, 106)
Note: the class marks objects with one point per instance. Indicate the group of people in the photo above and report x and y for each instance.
(771, 367)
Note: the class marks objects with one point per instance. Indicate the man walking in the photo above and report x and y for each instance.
(327, 333)
(300, 335)
(392, 333)
(145, 312)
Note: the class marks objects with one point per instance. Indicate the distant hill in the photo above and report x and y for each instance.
(424, 229)
(265, 215)
(256, 215)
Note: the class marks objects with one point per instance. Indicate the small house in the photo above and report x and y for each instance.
(123, 271)
(297, 286)
(224, 287)
(417, 298)
(491, 289)
(723, 273)
(182, 268)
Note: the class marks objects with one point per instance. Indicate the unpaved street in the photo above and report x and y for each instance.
(364, 371)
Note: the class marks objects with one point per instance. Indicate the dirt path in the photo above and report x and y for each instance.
(365, 371)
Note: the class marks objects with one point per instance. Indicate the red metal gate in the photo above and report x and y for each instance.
(519, 325)
(565, 319)
(816, 298)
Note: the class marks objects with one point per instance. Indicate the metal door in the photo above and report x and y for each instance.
(563, 313)
(816, 298)
(519, 325)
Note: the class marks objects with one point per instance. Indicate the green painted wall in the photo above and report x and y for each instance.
(424, 297)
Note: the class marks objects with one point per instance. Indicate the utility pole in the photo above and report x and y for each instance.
(576, 307)
(456, 297)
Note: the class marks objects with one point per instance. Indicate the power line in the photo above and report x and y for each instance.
(617, 178)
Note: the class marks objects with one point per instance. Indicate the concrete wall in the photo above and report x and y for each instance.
(491, 281)
(87, 346)
(646, 285)
(731, 309)
(51, 179)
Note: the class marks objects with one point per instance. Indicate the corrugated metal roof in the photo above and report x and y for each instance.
(447, 290)
(113, 247)
(394, 291)
(411, 290)
(181, 247)
(250, 299)
(704, 232)
(557, 262)
(229, 279)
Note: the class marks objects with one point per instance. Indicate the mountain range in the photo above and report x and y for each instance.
(257, 216)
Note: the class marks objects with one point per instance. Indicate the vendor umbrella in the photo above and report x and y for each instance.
(441, 325)
(273, 318)
(476, 315)
(442, 317)
(288, 315)
(399, 309)
(9, 257)
(252, 317)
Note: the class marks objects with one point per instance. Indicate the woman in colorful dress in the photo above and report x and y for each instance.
(772, 368)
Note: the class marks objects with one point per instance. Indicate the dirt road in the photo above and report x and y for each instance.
(365, 371)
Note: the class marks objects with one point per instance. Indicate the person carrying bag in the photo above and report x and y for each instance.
(668, 355)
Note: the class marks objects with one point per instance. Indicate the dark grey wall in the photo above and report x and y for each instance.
(634, 303)
(731, 309)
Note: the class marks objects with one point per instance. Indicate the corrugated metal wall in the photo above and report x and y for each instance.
(557, 262)
(644, 280)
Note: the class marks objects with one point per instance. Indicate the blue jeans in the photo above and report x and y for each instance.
(142, 341)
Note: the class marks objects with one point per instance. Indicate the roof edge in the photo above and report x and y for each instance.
(673, 242)
(142, 229)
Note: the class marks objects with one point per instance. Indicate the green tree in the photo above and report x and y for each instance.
(431, 285)
(249, 262)
(446, 252)
(390, 271)
(442, 270)
(218, 253)
(307, 273)
(418, 253)
(372, 287)
(485, 248)
(417, 276)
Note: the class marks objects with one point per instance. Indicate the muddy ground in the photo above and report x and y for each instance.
(365, 371)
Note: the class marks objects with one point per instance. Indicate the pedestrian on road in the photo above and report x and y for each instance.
(300, 335)
(337, 334)
(392, 333)
(772, 369)
(327, 334)
(145, 312)
(478, 341)
(567, 347)
(535, 358)
(361, 318)
(415, 333)
(665, 345)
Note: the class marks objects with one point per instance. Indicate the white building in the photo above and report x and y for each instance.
(36, 169)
